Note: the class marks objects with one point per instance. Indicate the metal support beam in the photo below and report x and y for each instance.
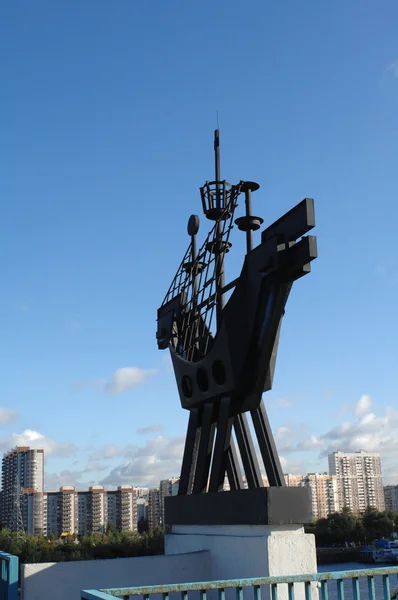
(221, 446)
(190, 453)
(247, 452)
(205, 450)
(266, 442)
(234, 472)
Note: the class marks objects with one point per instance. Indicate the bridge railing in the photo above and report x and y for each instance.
(372, 584)
(9, 576)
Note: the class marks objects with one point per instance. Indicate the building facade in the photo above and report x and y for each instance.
(122, 508)
(359, 480)
(69, 512)
(167, 487)
(294, 480)
(154, 508)
(22, 475)
(34, 512)
(391, 497)
(324, 494)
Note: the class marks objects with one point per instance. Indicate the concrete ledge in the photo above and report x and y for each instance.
(261, 506)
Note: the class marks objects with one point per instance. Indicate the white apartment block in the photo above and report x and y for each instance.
(294, 480)
(359, 480)
(68, 512)
(34, 512)
(22, 474)
(122, 508)
(98, 509)
(324, 494)
(391, 497)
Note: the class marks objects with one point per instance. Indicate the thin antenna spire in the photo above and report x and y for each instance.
(217, 154)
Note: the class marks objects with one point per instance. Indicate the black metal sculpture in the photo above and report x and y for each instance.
(224, 353)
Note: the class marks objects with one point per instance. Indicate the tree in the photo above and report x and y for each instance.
(377, 524)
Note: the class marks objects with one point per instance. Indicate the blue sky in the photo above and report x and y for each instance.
(107, 111)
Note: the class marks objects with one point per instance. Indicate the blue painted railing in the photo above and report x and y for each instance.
(374, 584)
(9, 576)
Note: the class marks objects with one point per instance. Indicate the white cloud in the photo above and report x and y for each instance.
(127, 378)
(122, 380)
(368, 431)
(283, 431)
(95, 467)
(7, 415)
(149, 429)
(311, 443)
(363, 405)
(105, 453)
(53, 481)
(35, 439)
(295, 467)
(160, 458)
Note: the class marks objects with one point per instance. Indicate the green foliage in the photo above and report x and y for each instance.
(112, 544)
(339, 528)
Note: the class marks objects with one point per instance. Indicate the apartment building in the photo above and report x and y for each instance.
(69, 509)
(142, 509)
(33, 507)
(391, 497)
(167, 487)
(22, 474)
(142, 492)
(294, 480)
(324, 494)
(83, 513)
(154, 508)
(359, 479)
(53, 518)
(98, 509)
(122, 508)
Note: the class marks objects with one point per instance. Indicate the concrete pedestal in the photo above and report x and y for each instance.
(244, 551)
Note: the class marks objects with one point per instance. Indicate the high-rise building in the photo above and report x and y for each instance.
(142, 509)
(391, 497)
(70, 512)
(69, 509)
(122, 508)
(83, 512)
(154, 508)
(324, 495)
(53, 521)
(167, 487)
(359, 479)
(61, 512)
(142, 492)
(98, 509)
(22, 474)
(294, 480)
(34, 512)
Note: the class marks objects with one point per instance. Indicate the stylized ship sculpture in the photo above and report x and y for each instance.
(222, 375)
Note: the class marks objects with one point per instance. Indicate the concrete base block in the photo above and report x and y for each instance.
(245, 551)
